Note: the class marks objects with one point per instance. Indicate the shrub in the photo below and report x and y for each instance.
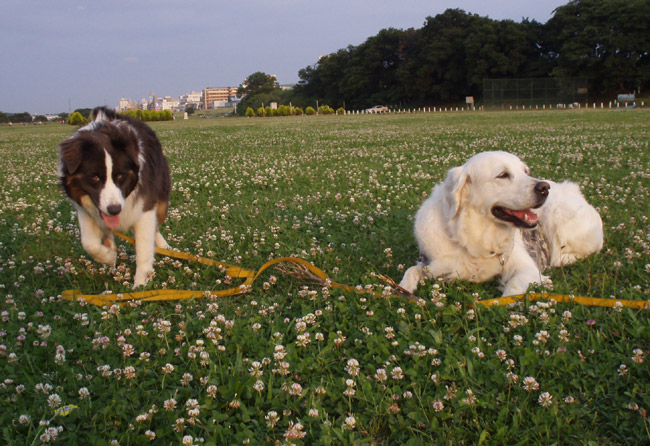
(148, 115)
(260, 111)
(297, 111)
(340, 111)
(310, 111)
(250, 112)
(77, 119)
(268, 111)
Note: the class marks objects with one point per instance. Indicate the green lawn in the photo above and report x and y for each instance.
(295, 363)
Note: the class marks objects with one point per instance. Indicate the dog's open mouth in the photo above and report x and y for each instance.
(112, 221)
(525, 218)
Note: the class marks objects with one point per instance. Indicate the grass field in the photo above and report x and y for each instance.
(289, 363)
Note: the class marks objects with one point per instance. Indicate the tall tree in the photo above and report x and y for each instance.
(257, 83)
(257, 89)
(607, 41)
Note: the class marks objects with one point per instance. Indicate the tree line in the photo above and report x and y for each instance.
(606, 41)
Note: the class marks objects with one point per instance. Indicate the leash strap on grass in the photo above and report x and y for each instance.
(249, 277)
(589, 301)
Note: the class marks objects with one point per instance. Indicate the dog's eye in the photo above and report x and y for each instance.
(504, 175)
(119, 176)
(95, 179)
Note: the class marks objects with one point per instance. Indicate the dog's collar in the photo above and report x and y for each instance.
(502, 257)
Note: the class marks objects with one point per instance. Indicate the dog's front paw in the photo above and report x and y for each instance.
(411, 278)
(142, 277)
(160, 242)
(104, 255)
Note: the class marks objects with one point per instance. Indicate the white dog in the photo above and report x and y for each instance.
(482, 222)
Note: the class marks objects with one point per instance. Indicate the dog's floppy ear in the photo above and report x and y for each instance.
(70, 152)
(457, 179)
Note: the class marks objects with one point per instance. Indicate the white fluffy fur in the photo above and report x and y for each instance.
(572, 227)
(460, 238)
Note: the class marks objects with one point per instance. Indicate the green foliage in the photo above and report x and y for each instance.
(257, 83)
(450, 56)
(309, 111)
(24, 117)
(77, 118)
(259, 88)
(260, 111)
(606, 41)
(150, 115)
(325, 110)
(340, 193)
(297, 111)
(340, 111)
(250, 112)
(268, 111)
(85, 112)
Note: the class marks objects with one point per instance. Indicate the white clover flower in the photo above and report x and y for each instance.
(54, 401)
(272, 419)
(169, 404)
(349, 423)
(545, 399)
(294, 431)
(530, 384)
(258, 386)
(24, 419)
(352, 367)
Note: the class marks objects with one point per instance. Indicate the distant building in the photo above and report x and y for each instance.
(211, 96)
(193, 99)
(171, 104)
(126, 104)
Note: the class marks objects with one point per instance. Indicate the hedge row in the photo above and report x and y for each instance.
(77, 118)
(150, 115)
(285, 110)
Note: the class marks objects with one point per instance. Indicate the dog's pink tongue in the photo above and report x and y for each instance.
(112, 221)
(525, 215)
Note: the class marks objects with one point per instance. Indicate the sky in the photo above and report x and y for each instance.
(57, 56)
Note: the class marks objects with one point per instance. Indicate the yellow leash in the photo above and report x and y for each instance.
(589, 301)
(249, 277)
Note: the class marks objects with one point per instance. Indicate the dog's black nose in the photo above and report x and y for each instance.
(542, 188)
(114, 209)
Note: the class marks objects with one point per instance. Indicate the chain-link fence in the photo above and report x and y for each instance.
(534, 91)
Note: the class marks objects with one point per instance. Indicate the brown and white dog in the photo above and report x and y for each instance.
(114, 172)
(482, 222)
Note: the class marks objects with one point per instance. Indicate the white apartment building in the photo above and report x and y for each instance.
(172, 104)
(194, 98)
